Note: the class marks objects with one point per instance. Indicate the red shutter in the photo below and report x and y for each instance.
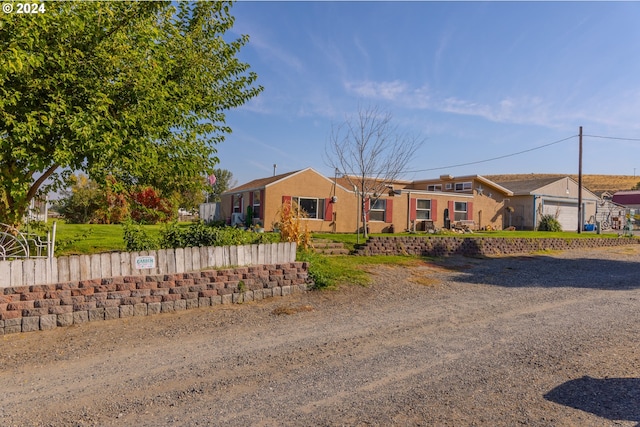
(452, 214)
(470, 211)
(328, 210)
(251, 203)
(388, 218)
(412, 210)
(286, 199)
(434, 210)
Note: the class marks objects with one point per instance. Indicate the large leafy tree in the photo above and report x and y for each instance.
(133, 90)
(224, 181)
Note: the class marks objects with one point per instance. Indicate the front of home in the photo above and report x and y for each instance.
(333, 205)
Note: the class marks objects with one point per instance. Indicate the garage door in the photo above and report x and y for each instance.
(567, 213)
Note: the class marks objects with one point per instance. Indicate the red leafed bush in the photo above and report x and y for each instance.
(148, 207)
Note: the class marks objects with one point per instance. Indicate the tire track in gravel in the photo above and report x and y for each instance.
(395, 353)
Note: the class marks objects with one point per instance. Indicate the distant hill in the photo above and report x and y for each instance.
(596, 183)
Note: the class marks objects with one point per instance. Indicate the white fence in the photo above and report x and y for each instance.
(167, 261)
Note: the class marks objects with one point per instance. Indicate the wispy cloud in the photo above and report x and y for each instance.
(520, 110)
(390, 91)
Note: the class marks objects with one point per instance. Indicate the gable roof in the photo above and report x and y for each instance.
(260, 183)
(528, 186)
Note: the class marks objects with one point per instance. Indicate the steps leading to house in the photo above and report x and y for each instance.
(327, 247)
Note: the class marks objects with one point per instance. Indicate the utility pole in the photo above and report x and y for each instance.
(580, 184)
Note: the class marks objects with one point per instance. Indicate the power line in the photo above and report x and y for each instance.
(613, 137)
(494, 158)
(518, 153)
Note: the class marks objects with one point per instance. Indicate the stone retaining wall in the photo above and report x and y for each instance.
(474, 246)
(42, 307)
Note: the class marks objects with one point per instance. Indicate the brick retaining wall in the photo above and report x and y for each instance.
(474, 246)
(42, 307)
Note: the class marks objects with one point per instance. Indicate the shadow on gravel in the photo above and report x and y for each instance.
(616, 399)
(548, 272)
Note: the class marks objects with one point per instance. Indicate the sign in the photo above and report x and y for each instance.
(143, 262)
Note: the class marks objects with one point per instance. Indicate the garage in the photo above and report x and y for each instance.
(565, 212)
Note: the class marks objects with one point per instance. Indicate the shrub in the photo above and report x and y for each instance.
(148, 207)
(81, 201)
(137, 239)
(549, 223)
(291, 227)
(201, 234)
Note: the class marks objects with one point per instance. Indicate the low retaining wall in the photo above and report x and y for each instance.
(474, 246)
(168, 261)
(43, 307)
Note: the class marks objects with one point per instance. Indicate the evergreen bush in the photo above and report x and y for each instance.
(549, 223)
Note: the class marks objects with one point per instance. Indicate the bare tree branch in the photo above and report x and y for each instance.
(370, 152)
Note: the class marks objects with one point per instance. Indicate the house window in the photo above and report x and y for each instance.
(463, 186)
(237, 204)
(423, 209)
(436, 187)
(313, 208)
(256, 204)
(377, 210)
(460, 211)
(448, 186)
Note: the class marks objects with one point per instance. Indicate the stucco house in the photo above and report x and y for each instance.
(333, 204)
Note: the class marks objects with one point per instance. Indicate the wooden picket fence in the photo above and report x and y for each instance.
(39, 271)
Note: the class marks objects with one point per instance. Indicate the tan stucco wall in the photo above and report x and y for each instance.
(488, 206)
(308, 183)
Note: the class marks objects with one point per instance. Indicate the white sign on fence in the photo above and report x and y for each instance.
(143, 262)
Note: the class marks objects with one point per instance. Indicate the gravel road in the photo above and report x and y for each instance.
(541, 340)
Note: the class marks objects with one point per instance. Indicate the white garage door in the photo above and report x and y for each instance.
(567, 213)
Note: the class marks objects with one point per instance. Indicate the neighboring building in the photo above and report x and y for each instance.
(38, 209)
(610, 215)
(556, 196)
(630, 199)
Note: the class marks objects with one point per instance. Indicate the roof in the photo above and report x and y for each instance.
(528, 186)
(482, 179)
(627, 197)
(259, 183)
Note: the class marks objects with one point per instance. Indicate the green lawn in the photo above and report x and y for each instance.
(75, 239)
(94, 238)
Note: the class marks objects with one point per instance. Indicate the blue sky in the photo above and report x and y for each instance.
(477, 80)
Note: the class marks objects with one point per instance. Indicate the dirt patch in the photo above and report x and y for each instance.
(551, 339)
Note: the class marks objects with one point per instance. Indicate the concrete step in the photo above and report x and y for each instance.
(327, 247)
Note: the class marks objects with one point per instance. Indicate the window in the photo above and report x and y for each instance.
(460, 211)
(314, 208)
(377, 210)
(423, 209)
(448, 186)
(237, 204)
(463, 186)
(436, 187)
(256, 204)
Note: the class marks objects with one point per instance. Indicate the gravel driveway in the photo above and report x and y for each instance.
(541, 340)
